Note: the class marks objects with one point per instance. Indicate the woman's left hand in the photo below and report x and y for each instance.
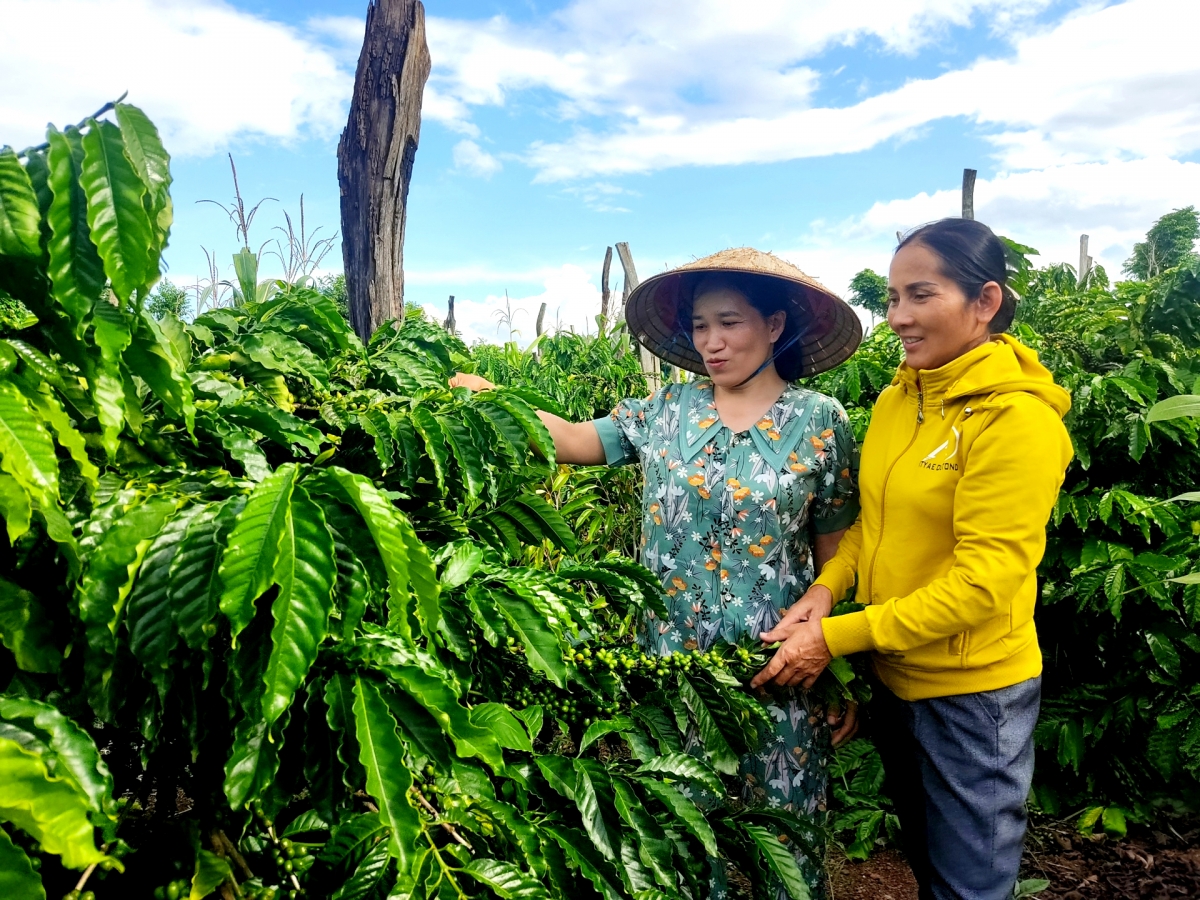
(844, 725)
(799, 660)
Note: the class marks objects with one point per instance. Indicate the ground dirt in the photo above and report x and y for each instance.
(1159, 863)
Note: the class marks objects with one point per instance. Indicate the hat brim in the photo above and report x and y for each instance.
(831, 330)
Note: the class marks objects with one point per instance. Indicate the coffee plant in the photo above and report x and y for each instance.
(283, 615)
(584, 375)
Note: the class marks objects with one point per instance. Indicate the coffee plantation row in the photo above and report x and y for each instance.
(1119, 737)
(284, 615)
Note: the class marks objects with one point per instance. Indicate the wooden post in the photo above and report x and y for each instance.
(1085, 261)
(968, 194)
(450, 323)
(605, 293)
(541, 318)
(650, 364)
(375, 159)
(631, 276)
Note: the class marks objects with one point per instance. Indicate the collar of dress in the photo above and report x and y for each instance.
(775, 435)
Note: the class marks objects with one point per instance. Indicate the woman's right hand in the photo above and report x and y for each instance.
(816, 603)
(471, 382)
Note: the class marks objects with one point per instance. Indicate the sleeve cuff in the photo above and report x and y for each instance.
(843, 518)
(615, 453)
(848, 634)
(838, 577)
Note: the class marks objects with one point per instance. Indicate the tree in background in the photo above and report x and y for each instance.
(334, 287)
(868, 289)
(1169, 243)
(168, 298)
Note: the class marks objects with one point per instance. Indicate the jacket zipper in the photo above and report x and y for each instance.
(888, 477)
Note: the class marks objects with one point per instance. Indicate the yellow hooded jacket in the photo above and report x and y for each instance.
(960, 470)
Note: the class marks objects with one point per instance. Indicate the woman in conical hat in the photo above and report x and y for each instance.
(750, 480)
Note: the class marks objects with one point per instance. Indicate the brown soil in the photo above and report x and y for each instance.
(885, 876)
(1151, 863)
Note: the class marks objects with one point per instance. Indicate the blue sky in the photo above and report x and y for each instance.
(815, 129)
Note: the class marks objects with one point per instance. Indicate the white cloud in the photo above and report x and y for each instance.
(722, 84)
(666, 67)
(1114, 203)
(205, 72)
(342, 34)
(639, 59)
(473, 159)
(601, 196)
(572, 301)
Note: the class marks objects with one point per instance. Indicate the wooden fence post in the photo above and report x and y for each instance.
(541, 318)
(605, 293)
(1085, 261)
(968, 194)
(375, 159)
(650, 364)
(450, 323)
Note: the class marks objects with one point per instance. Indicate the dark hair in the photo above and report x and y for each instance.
(971, 255)
(767, 295)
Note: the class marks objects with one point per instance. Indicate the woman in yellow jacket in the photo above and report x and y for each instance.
(959, 473)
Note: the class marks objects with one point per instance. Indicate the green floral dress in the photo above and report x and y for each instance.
(727, 521)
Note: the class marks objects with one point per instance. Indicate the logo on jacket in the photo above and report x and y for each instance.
(937, 462)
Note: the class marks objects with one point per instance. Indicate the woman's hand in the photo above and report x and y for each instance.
(471, 382)
(799, 660)
(816, 603)
(844, 725)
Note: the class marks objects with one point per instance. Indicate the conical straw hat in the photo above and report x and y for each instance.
(831, 331)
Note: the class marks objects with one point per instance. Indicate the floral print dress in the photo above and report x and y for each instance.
(727, 521)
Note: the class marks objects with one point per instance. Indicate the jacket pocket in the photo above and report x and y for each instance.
(958, 646)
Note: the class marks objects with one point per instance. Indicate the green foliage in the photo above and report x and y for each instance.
(858, 381)
(52, 810)
(868, 289)
(272, 592)
(863, 815)
(334, 287)
(168, 299)
(585, 375)
(18, 878)
(1169, 243)
(14, 315)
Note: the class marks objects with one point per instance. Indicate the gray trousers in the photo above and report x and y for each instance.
(959, 770)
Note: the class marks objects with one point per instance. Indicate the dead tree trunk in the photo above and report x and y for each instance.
(968, 194)
(450, 324)
(375, 159)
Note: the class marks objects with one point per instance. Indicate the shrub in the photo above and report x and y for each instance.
(282, 612)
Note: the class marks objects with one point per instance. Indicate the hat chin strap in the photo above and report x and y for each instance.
(775, 351)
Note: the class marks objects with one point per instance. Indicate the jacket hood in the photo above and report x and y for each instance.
(1001, 366)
